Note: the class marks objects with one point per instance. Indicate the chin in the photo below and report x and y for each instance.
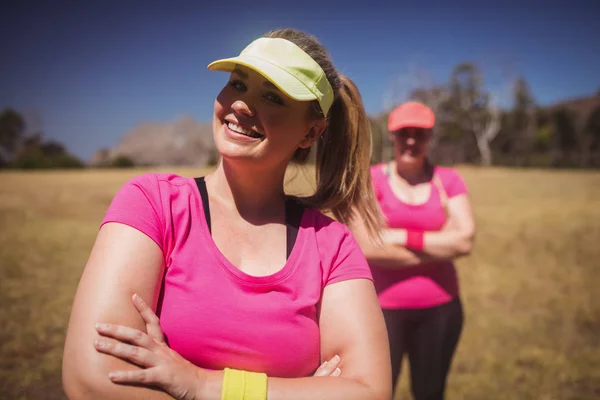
(232, 151)
(408, 159)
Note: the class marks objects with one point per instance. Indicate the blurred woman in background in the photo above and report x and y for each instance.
(429, 223)
(254, 289)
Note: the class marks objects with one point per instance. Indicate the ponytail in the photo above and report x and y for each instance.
(344, 149)
(343, 159)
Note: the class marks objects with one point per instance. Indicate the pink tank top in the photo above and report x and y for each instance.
(424, 285)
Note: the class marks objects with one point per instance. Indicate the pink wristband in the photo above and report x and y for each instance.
(414, 239)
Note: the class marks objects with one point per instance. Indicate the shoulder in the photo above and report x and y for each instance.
(339, 254)
(152, 182)
(448, 175)
(157, 189)
(162, 178)
(446, 172)
(378, 169)
(330, 235)
(328, 232)
(378, 175)
(452, 180)
(323, 224)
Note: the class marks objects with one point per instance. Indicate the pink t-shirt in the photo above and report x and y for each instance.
(217, 316)
(424, 285)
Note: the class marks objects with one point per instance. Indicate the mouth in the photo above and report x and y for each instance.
(411, 152)
(243, 130)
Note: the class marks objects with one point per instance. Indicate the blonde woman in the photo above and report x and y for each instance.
(248, 290)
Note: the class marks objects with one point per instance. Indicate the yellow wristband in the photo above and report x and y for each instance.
(243, 385)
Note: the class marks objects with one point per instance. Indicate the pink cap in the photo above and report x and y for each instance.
(411, 114)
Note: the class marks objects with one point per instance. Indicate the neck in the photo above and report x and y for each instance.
(412, 173)
(253, 192)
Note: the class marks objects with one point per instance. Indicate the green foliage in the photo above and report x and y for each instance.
(452, 130)
(592, 127)
(122, 161)
(30, 152)
(543, 137)
(12, 127)
(37, 158)
(564, 123)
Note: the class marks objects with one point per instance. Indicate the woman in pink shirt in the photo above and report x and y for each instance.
(258, 294)
(429, 224)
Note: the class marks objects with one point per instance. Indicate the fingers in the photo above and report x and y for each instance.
(137, 355)
(142, 376)
(126, 334)
(329, 368)
(152, 322)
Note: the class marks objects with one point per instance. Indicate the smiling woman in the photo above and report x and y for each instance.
(224, 287)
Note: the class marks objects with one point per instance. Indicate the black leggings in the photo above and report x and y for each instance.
(429, 336)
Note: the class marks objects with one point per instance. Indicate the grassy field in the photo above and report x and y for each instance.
(530, 289)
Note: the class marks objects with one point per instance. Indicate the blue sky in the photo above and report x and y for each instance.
(92, 70)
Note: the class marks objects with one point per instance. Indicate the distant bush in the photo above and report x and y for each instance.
(543, 137)
(36, 159)
(121, 162)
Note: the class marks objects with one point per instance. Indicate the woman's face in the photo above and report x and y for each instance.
(410, 144)
(254, 121)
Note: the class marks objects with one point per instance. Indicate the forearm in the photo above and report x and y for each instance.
(447, 244)
(317, 388)
(394, 256)
(444, 244)
(90, 384)
(117, 392)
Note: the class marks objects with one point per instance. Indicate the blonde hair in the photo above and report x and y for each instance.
(344, 149)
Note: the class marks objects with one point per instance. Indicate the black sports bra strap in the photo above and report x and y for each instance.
(293, 215)
(293, 218)
(201, 183)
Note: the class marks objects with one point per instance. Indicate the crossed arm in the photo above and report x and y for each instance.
(453, 241)
(124, 261)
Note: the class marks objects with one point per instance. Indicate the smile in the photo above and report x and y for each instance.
(244, 131)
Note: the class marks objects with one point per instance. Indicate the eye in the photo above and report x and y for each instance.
(237, 84)
(274, 98)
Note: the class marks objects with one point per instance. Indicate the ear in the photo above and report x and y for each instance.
(317, 128)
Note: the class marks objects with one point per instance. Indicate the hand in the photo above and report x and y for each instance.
(329, 368)
(160, 366)
(394, 236)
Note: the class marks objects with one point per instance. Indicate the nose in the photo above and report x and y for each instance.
(411, 140)
(243, 108)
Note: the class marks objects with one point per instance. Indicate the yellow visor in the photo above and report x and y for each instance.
(285, 65)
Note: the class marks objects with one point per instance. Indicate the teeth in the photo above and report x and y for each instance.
(243, 131)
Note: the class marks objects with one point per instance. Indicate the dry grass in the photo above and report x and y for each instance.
(532, 326)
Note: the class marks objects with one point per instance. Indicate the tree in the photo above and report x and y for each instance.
(53, 148)
(565, 138)
(473, 109)
(592, 131)
(592, 127)
(12, 128)
(522, 121)
(18, 150)
(122, 161)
